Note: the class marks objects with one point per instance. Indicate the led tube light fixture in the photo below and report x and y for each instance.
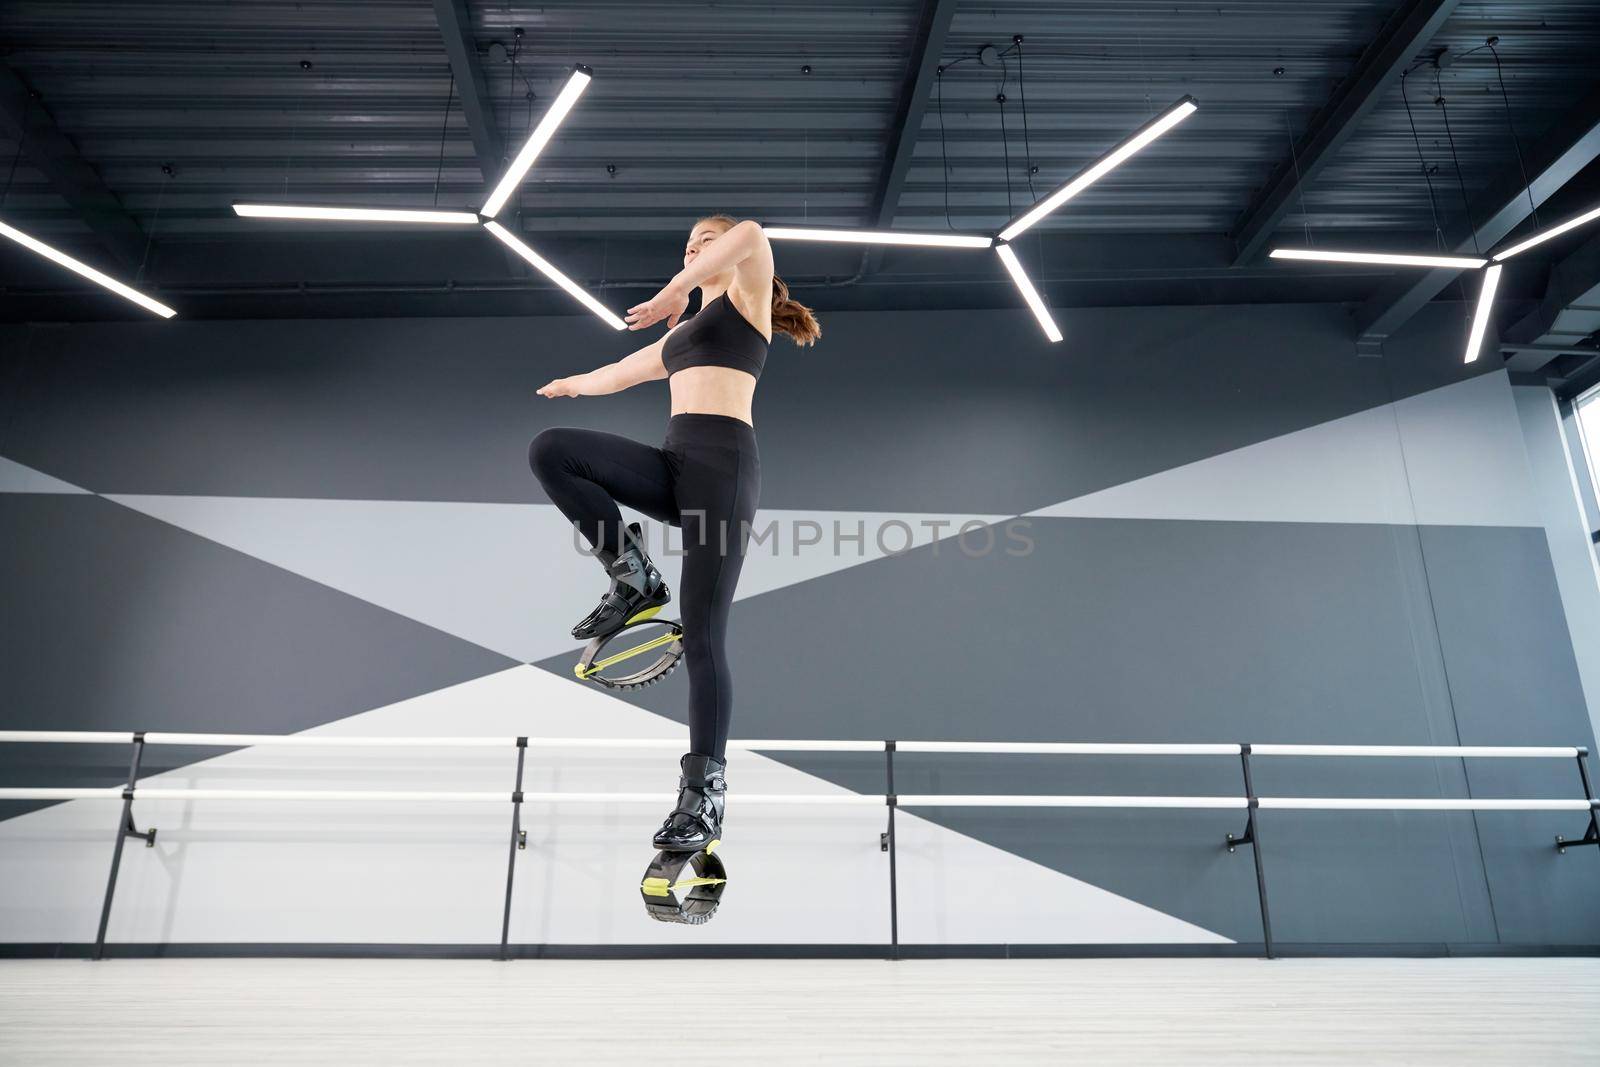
(1386, 258)
(55, 255)
(1029, 293)
(515, 173)
(581, 76)
(1113, 159)
(1544, 235)
(549, 270)
(1491, 276)
(1141, 137)
(877, 237)
(1480, 316)
(353, 214)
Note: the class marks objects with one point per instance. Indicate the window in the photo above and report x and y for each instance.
(1586, 411)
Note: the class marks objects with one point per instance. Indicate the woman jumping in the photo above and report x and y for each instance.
(705, 478)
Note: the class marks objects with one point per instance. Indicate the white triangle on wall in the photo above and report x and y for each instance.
(1451, 456)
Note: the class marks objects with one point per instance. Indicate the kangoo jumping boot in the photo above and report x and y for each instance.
(695, 825)
(637, 591)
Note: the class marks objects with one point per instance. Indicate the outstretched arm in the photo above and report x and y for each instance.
(641, 366)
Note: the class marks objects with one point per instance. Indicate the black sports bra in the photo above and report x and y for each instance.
(716, 336)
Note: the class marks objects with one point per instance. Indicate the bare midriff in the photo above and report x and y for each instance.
(713, 391)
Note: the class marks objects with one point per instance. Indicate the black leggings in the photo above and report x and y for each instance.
(706, 479)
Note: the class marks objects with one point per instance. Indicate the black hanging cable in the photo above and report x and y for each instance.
(511, 88)
(1005, 140)
(1294, 157)
(1422, 165)
(1027, 149)
(1516, 143)
(14, 160)
(1427, 176)
(943, 152)
(1460, 181)
(1145, 65)
(448, 100)
(22, 139)
(294, 127)
(154, 222)
(511, 92)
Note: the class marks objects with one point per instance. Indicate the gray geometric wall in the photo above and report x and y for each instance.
(1239, 531)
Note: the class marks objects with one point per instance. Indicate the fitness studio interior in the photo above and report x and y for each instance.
(534, 531)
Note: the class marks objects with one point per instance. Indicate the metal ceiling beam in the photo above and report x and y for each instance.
(932, 28)
(27, 121)
(1565, 319)
(1559, 155)
(1407, 32)
(455, 25)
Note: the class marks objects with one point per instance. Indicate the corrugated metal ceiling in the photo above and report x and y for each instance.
(703, 107)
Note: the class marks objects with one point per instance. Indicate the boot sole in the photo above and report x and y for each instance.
(707, 849)
(647, 613)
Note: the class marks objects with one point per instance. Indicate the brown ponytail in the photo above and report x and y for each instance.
(788, 316)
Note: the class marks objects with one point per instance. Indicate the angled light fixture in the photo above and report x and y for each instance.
(509, 181)
(576, 84)
(1491, 271)
(1480, 316)
(1388, 258)
(549, 270)
(1113, 159)
(55, 255)
(354, 214)
(1029, 293)
(877, 237)
(1484, 308)
(1544, 235)
(1138, 140)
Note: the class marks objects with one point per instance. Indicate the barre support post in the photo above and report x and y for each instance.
(518, 840)
(887, 843)
(1252, 838)
(1591, 834)
(125, 830)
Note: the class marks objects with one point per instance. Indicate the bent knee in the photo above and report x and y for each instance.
(548, 450)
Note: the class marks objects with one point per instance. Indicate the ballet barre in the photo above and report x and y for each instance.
(1249, 801)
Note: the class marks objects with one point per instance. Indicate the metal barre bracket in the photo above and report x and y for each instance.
(1591, 834)
(131, 830)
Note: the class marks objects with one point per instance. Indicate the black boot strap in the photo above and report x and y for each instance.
(697, 816)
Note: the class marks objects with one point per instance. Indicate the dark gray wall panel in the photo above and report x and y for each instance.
(115, 621)
(1116, 630)
(952, 411)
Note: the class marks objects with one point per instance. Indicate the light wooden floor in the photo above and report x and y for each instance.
(351, 1012)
